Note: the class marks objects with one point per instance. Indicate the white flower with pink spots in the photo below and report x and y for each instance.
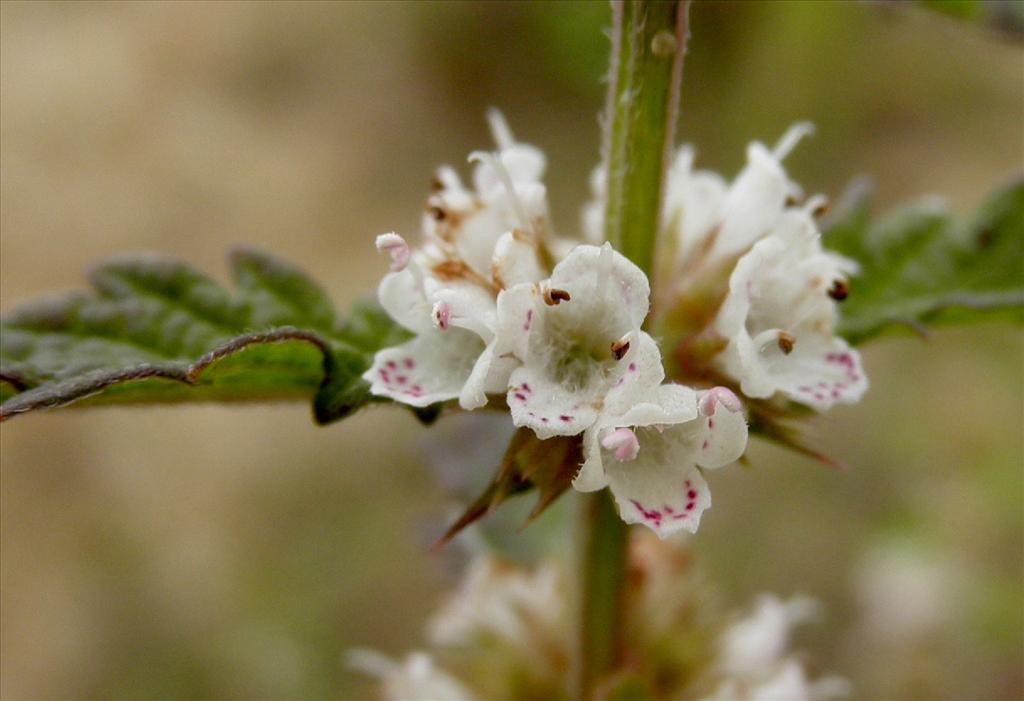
(575, 337)
(651, 450)
(779, 317)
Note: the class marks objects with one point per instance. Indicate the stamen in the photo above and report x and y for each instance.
(817, 206)
(499, 129)
(786, 342)
(396, 247)
(554, 296)
(791, 138)
(620, 348)
(623, 443)
(719, 395)
(442, 315)
(840, 290)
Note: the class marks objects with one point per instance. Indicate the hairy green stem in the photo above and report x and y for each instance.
(648, 42)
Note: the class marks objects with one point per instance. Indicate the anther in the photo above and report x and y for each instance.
(710, 400)
(619, 348)
(396, 247)
(553, 296)
(839, 290)
(442, 315)
(623, 443)
(786, 342)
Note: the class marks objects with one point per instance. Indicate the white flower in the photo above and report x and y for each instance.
(415, 679)
(497, 600)
(752, 647)
(700, 204)
(714, 219)
(508, 195)
(789, 683)
(445, 292)
(451, 320)
(752, 656)
(648, 447)
(779, 317)
(576, 335)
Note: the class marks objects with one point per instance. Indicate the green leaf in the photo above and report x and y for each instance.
(157, 330)
(922, 268)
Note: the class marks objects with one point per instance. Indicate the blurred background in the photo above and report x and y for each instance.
(207, 552)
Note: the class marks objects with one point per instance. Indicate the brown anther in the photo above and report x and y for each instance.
(553, 296)
(822, 209)
(619, 349)
(786, 342)
(839, 290)
(436, 185)
(437, 213)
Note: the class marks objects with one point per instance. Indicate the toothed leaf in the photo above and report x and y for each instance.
(157, 330)
(921, 268)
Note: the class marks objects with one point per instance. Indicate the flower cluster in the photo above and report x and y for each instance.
(754, 661)
(501, 311)
(508, 628)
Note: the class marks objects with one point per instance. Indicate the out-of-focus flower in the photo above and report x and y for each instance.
(755, 662)
(789, 683)
(497, 600)
(417, 678)
(753, 646)
(906, 593)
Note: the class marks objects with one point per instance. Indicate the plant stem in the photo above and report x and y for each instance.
(648, 42)
(602, 541)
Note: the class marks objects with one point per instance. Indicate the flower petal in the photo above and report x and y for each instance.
(468, 306)
(724, 438)
(694, 201)
(758, 195)
(662, 488)
(516, 260)
(602, 275)
(432, 367)
(517, 312)
(666, 405)
(635, 377)
(402, 296)
(546, 407)
(820, 372)
(490, 375)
